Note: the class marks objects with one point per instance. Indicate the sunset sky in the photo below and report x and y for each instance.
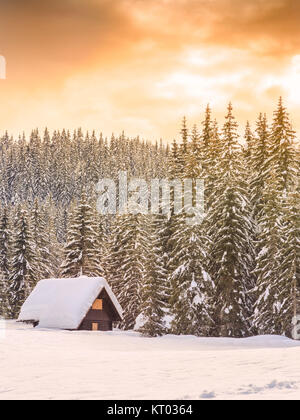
(140, 65)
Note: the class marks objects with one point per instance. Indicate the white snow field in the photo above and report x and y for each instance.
(53, 364)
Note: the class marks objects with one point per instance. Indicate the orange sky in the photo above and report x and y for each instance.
(140, 65)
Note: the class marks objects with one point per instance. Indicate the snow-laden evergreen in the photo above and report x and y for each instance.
(282, 153)
(125, 264)
(230, 228)
(289, 270)
(82, 251)
(278, 265)
(24, 270)
(155, 290)
(191, 286)
(258, 166)
(268, 262)
(41, 241)
(5, 237)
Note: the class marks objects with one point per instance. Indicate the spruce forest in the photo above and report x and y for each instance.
(235, 275)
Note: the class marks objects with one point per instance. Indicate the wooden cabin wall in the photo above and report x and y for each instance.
(104, 317)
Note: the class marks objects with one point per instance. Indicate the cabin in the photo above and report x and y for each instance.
(83, 303)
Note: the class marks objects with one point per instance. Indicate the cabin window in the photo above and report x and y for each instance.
(95, 326)
(98, 305)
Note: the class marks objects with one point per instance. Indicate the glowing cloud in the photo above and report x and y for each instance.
(140, 65)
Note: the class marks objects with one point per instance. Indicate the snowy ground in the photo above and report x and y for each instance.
(45, 364)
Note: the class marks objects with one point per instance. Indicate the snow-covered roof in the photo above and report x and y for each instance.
(63, 303)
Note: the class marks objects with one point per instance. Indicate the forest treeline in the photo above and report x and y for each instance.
(237, 274)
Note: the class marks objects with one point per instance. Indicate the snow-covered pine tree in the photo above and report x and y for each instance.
(125, 264)
(185, 249)
(54, 250)
(216, 144)
(41, 241)
(191, 286)
(5, 237)
(185, 137)
(259, 164)
(92, 167)
(193, 158)
(249, 139)
(35, 175)
(282, 153)
(179, 154)
(103, 224)
(277, 259)
(10, 178)
(62, 222)
(154, 292)
(81, 251)
(209, 156)
(289, 270)
(207, 131)
(4, 302)
(24, 263)
(175, 164)
(268, 261)
(230, 228)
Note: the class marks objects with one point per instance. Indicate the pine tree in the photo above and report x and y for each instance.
(191, 285)
(176, 162)
(277, 272)
(259, 168)
(10, 177)
(154, 292)
(185, 136)
(4, 302)
(81, 251)
(207, 133)
(5, 236)
(125, 264)
(24, 263)
(179, 154)
(41, 241)
(249, 138)
(209, 157)
(230, 226)
(268, 261)
(103, 226)
(282, 154)
(53, 249)
(193, 158)
(289, 270)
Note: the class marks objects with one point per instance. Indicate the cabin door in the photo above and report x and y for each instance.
(95, 326)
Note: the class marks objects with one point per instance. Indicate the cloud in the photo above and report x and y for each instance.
(74, 32)
(267, 27)
(139, 65)
(45, 39)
